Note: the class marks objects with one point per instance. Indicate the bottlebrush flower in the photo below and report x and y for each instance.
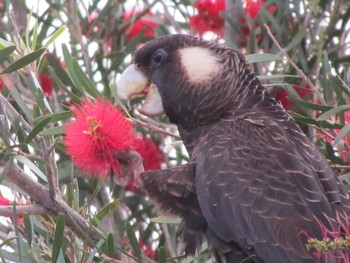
(97, 131)
(283, 96)
(253, 7)
(46, 84)
(91, 26)
(335, 242)
(148, 250)
(1, 84)
(152, 159)
(208, 17)
(143, 24)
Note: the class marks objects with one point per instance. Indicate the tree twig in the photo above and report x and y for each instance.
(290, 61)
(155, 128)
(21, 210)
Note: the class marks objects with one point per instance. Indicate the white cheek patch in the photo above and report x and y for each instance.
(200, 64)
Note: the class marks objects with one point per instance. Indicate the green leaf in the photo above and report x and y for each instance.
(332, 112)
(58, 238)
(35, 35)
(28, 228)
(7, 241)
(84, 80)
(55, 35)
(24, 61)
(309, 105)
(6, 170)
(32, 166)
(276, 76)
(110, 245)
(264, 57)
(161, 255)
(166, 220)
(37, 129)
(343, 132)
(106, 210)
(54, 131)
(5, 52)
(94, 251)
(70, 68)
(54, 117)
(133, 240)
(21, 104)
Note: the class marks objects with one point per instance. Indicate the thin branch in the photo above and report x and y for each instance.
(290, 61)
(41, 195)
(21, 210)
(168, 242)
(155, 128)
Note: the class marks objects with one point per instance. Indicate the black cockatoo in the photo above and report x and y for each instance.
(254, 183)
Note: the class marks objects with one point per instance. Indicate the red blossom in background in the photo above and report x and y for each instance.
(143, 24)
(46, 84)
(253, 7)
(97, 131)
(91, 23)
(345, 149)
(152, 158)
(148, 250)
(1, 84)
(283, 96)
(208, 17)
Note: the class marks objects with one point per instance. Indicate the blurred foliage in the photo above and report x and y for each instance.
(83, 46)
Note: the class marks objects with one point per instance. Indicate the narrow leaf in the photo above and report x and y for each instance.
(54, 117)
(88, 85)
(58, 238)
(5, 52)
(28, 227)
(309, 105)
(54, 36)
(6, 170)
(343, 132)
(264, 57)
(161, 255)
(332, 112)
(32, 166)
(166, 220)
(35, 35)
(94, 251)
(54, 131)
(133, 240)
(21, 104)
(24, 61)
(37, 129)
(106, 210)
(68, 60)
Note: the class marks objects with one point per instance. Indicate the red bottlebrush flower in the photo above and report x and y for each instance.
(253, 7)
(152, 159)
(1, 84)
(283, 95)
(4, 201)
(91, 23)
(208, 17)
(335, 242)
(149, 252)
(96, 133)
(46, 84)
(144, 24)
